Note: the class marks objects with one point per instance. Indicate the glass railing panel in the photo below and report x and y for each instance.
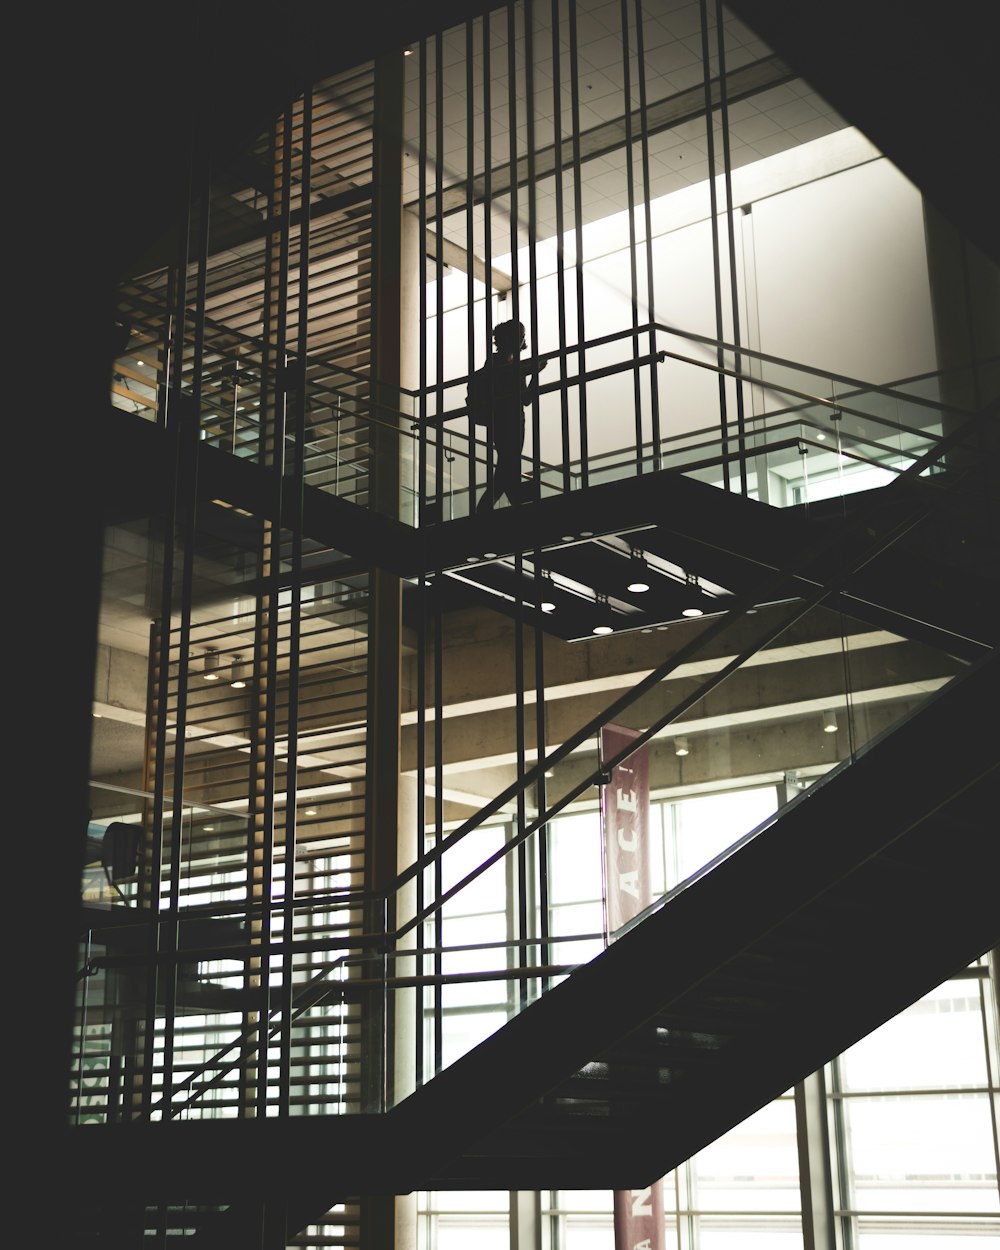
(942, 574)
(813, 690)
(354, 444)
(770, 701)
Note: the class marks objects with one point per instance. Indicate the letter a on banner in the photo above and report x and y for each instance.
(625, 816)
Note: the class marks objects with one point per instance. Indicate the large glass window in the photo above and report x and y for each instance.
(913, 1107)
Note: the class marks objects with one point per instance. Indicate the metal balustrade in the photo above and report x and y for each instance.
(390, 945)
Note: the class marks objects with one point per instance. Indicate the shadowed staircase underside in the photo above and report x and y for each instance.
(858, 898)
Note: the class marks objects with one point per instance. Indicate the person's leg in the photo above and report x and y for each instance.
(507, 478)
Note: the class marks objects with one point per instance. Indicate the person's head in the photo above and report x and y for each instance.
(508, 338)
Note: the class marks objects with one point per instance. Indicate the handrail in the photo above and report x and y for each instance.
(740, 605)
(881, 389)
(822, 590)
(318, 987)
(566, 351)
(380, 416)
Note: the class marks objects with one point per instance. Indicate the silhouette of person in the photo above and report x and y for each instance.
(513, 386)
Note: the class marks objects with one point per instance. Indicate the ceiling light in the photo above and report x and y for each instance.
(310, 811)
(210, 671)
(638, 574)
(238, 673)
(681, 746)
(694, 586)
(829, 723)
(604, 617)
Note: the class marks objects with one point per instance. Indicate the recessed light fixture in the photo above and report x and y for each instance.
(692, 612)
(638, 582)
(604, 616)
(547, 605)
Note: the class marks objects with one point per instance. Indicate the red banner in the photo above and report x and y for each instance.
(628, 877)
(639, 1218)
(625, 817)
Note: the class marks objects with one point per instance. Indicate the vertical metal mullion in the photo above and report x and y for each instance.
(422, 644)
(519, 704)
(422, 466)
(278, 295)
(633, 272)
(186, 427)
(439, 264)
(512, 155)
(261, 823)
(578, 229)
(560, 250)
(421, 805)
(529, 103)
(438, 816)
(295, 623)
(716, 264)
(540, 787)
(488, 213)
(654, 388)
(470, 243)
(727, 173)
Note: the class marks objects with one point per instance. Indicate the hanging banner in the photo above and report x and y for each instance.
(625, 819)
(639, 1218)
(628, 876)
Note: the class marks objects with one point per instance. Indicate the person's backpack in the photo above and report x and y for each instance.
(479, 397)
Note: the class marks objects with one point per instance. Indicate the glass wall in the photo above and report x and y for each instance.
(911, 1109)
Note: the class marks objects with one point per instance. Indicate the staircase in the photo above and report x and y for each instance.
(866, 892)
(863, 894)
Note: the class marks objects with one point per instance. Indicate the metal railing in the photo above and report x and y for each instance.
(390, 958)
